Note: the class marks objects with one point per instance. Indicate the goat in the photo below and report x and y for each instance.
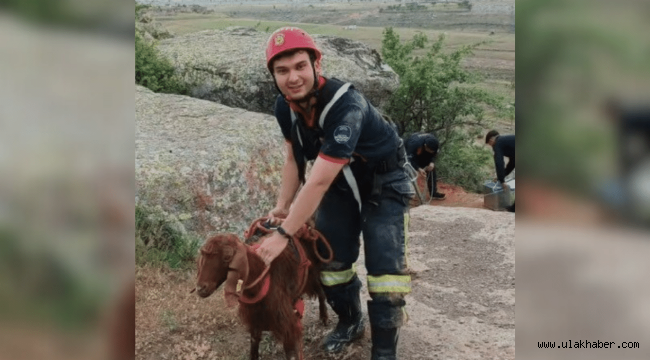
(267, 303)
(308, 238)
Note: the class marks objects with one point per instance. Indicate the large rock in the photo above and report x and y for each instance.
(213, 167)
(228, 67)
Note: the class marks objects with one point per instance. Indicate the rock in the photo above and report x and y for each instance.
(220, 165)
(228, 66)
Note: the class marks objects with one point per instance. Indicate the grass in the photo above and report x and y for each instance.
(160, 242)
(171, 323)
(494, 60)
(498, 54)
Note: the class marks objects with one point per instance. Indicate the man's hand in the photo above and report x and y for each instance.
(422, 172)
(505, 187)
(277, 215)
(430, 167)
(272, 247)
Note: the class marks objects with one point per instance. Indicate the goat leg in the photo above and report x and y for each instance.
(256, 338)
(293, 349)
(322, 307)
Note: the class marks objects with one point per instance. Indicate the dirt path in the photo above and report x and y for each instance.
(455, 196)
(461, 307)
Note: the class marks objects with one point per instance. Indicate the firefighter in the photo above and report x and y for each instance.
(357, 185)
(503, 146)
(421, 150)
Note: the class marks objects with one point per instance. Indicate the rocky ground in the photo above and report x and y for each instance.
(462, 305)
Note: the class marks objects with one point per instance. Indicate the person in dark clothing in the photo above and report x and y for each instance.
(503, 146)
(421, 150)
(358, 185)
(633, 132)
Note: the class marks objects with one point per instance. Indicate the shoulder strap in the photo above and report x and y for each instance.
(342, 90)
(293, 122)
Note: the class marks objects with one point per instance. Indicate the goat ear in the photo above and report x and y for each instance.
(228, 253)
(230, 288)
(239, 264)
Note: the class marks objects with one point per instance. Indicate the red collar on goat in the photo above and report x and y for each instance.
(264, 276)
(265, 286)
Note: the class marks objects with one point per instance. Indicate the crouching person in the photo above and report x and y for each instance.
(357, 186)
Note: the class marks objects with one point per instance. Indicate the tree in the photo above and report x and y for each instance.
(436, 95)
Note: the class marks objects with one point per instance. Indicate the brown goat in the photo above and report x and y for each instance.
(308, 238)
(224, 258)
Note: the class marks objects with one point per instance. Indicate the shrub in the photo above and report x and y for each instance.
(464, 163)
(38, 285)
(153, 71)
(465, 4)
(161, 240)
(437, 95)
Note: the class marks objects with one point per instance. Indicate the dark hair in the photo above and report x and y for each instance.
(432, 143)
(490, 135)
(312, 56)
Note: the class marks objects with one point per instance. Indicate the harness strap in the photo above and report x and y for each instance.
(293, 120)
(260, 295)
(329, 105)
(303, 271)
(263, 274)
(303, 268)
(347, 172)
(266, 285)
(349, 177)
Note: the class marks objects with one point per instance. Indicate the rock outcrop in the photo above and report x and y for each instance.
(228, 66)
(215, 168)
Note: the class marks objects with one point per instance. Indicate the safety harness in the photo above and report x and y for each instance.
(306, 233)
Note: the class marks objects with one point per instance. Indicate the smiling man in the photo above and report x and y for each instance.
(357, 183)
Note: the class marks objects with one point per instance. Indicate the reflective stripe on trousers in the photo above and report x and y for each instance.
(332, 278)
(389, 284)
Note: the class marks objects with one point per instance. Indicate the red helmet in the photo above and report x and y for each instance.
(289, 38)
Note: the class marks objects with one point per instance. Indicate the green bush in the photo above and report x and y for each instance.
(39, 286)
(153, 71)
(464, 163)
(161, 241)
(437, 95)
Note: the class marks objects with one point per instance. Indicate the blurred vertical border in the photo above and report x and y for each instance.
(66, 179)
(583, 115)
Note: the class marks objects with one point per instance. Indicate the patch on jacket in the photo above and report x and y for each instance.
(342, 134)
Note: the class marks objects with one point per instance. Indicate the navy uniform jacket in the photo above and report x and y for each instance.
(504, 146)
(353, 128)
(416, 141)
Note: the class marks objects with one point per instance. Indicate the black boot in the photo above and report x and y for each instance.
(386, 318)
(384, 343)
(344, 300)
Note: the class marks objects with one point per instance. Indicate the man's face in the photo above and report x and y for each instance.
(294, 74)
(492, 141)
